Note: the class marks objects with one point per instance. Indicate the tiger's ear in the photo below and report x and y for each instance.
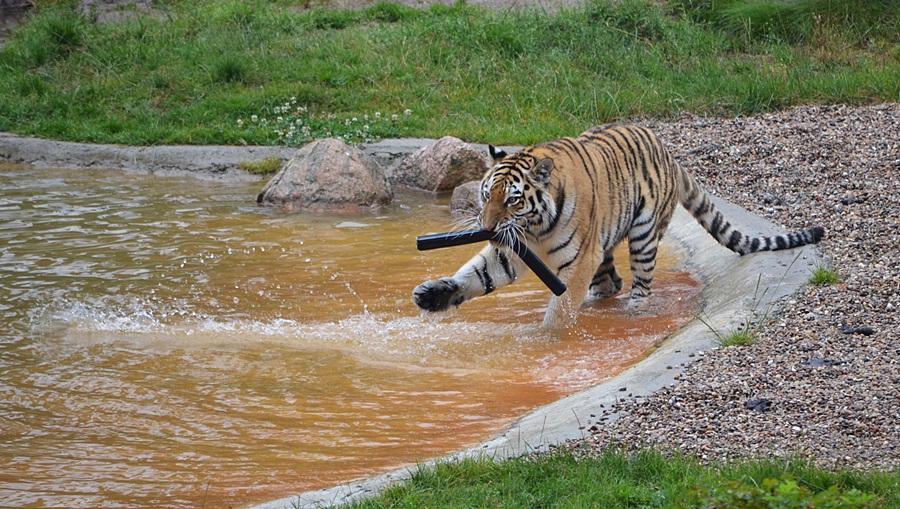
(541, 172)
(497, 154)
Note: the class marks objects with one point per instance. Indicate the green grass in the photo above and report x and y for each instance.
(824, 276)
(265, 166)
(741, 337)
(199, 71)
(645, 479)
(745, 335)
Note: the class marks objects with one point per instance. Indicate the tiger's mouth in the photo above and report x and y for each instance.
(510, 231)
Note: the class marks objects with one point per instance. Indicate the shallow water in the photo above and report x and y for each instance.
(166, 343)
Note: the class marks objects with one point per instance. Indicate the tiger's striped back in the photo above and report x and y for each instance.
(655, 168)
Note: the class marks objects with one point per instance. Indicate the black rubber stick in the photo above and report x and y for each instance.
(450, 239)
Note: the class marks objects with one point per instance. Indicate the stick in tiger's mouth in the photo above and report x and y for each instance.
(459, 238)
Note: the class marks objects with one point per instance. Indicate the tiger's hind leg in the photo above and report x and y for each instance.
(642, 250)
(606, 281)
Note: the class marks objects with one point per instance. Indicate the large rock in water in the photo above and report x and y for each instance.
(440, 167)
(328, 176)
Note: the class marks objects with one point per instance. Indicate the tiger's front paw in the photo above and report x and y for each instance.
(437, 295)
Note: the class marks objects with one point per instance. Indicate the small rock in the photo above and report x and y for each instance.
(818, 363)
(759, 404)
(865, 331)
(853, 201)
(771, 199)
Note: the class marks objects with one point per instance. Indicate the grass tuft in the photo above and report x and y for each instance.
(56, 31)
(230, 69)
(265, 166)
(744, 336)
(389, 12)
(824, 275)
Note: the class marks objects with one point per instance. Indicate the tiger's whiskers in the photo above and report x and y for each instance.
(465, 223)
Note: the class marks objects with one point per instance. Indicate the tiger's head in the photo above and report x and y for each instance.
(514, 191)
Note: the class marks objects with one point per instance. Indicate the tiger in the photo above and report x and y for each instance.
(572, 201)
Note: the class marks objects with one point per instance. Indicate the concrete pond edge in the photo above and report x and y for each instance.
(736, 290)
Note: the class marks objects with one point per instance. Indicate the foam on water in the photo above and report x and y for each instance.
(376, 338)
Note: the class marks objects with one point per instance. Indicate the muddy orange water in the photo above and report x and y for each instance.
(166, 343)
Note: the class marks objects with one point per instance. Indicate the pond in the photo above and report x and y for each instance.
(168, 343)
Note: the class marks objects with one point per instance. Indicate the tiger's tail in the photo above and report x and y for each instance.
(697, 202)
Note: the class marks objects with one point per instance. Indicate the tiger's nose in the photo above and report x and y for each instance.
(486, 224)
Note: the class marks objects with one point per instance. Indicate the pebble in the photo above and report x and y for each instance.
(834, 166)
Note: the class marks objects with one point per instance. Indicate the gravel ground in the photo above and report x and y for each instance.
(823, 381)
